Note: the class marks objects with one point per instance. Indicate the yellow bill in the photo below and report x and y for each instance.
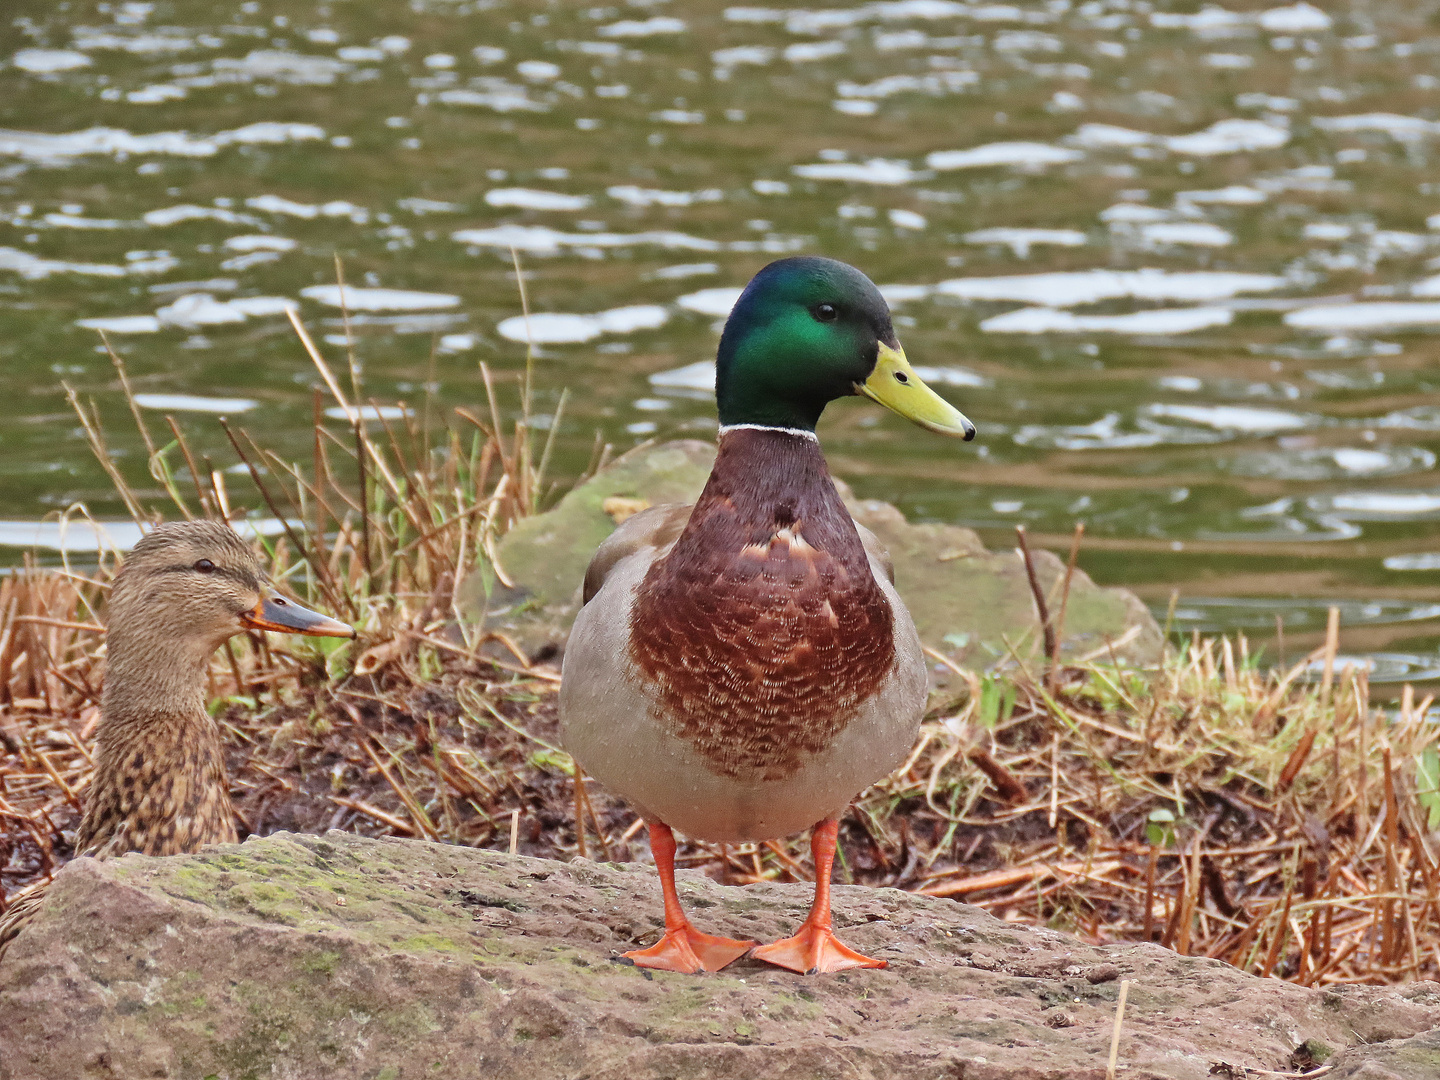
(895, 385)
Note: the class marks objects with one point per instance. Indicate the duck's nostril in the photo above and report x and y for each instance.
(901, 377)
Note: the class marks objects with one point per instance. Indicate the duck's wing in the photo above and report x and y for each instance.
(657, 527)
(877, 552)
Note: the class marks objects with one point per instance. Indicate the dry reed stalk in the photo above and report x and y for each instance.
(1042, 610)
(1153, 856)
(1054, 779)
(579, 780)
(1193, 881)
(222, 498)
(1011, 789)
(201, 496)
(387, 819)
(417, 812)
(345, 319)
(1332, 644)
(129, 393)
(1115, 1033)
(1389, 944)
(1277, 939)
(1362, 772)
(1296, 761)
(317, 416)
(600, 833)
(1054, 673)
(89, 421)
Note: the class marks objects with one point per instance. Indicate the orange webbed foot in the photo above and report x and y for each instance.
(815, 950)
(688, 951)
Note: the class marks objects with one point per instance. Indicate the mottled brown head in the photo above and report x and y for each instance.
(160, 785)
(198, 582)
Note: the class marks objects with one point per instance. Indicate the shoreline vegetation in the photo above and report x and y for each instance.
(1267, 818)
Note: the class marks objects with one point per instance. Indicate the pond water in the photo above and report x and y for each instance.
(1181, 265)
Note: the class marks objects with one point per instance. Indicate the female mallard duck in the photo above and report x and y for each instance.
(743, 667)
(160, 786)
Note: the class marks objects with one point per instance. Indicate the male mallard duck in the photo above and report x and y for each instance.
(742, 668)
(160, 786)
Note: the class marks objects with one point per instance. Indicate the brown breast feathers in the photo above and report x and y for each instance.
(763, 630)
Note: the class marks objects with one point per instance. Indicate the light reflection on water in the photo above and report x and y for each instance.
(1181, 267)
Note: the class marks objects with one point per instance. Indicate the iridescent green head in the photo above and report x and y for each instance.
(807, 331)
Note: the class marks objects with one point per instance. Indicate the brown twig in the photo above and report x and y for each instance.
(1051, 646)
(1115, 1033)
(1296, 761)
(1059, 635)
(1009, 788)
(206, 507)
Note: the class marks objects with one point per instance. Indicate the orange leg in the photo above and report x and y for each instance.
(682, 947)
(814, 948)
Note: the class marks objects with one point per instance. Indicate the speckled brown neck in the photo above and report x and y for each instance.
(160, 788)
(160, 785)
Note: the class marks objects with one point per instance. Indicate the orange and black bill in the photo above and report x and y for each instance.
(287, 617)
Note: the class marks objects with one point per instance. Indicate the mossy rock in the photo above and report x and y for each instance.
(546, 555)
(974, 605)
(345, 957)
(1415, 1058)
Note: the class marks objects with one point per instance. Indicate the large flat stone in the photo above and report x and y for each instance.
(970, 603)
(1416, 1058)
(341, 956)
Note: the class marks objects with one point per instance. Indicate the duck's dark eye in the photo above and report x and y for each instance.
(826, 312)
(204, 566)
(901, 377)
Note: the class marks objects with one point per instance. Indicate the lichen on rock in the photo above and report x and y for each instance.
(342, 956)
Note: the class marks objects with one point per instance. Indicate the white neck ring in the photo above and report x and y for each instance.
(726, 428)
